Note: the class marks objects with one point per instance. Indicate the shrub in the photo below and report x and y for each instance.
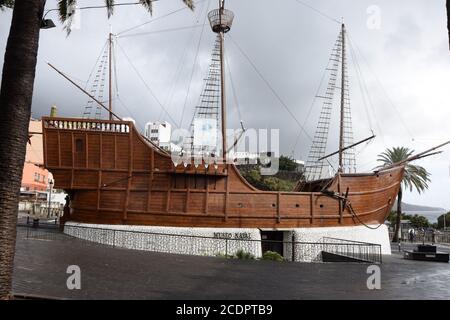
(241, 254)
(271, 255)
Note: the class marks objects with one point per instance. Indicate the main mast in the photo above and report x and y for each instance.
(110, 77)
(221, 21)
(343, 84)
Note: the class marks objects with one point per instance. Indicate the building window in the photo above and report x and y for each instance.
(154, 131)
(79, 145)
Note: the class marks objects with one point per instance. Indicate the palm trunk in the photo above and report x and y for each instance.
(15, 108)
(399, 216)
(448, 20)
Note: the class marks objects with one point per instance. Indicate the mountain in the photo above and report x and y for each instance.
(415, 207)
(431, 213)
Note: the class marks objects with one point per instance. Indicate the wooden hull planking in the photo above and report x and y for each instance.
(114, 176)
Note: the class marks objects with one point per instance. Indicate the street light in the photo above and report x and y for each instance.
(47, 23)
(50, 183)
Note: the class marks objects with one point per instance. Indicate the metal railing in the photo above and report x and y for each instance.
(427, 237)
(354, 249)
(40, 209)
(208, 246)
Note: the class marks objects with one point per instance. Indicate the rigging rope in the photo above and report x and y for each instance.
(158, 18)
(318, 11)
(193, 67)
(271, 88)
(116, 82)
(352, 211)
(95, 65)
(177, 72)
(312, 104)
(144, 82)
(176, 76)
(384, 91)
(365, 91)
(233, 90)
(163, 31)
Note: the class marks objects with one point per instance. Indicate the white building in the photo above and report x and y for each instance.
(160, 133)
(300, 165)
(243, 157)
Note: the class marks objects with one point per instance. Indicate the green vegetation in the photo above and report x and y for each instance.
(287, 164)
(285, 179)
(417, 221)
(440, 219)
(272, 255)
(241, 254)
(269, 183)
(415, 177)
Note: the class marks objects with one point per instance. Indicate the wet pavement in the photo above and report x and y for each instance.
(112, 273)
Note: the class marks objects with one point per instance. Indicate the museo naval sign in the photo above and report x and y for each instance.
(233, 235)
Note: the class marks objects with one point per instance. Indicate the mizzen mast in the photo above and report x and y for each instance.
(343, 83)
(110, 42)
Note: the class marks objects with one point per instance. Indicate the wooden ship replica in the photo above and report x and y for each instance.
(114, 175)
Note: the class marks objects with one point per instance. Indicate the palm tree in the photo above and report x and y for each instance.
(415, 177)
(15, 108)
(448, 20)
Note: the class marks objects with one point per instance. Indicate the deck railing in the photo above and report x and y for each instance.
(87, 125)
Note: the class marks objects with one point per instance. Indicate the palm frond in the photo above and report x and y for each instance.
(190, 4)
(415, 177)
(109, 7)
(148, 4)
(6, 4)
(64, 11)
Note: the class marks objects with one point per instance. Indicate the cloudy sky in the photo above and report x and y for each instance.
(400, 46)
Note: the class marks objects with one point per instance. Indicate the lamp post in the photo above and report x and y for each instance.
(445, 217)
(50, 184)
(47, 23)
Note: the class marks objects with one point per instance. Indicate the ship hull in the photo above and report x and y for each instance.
(114, 176)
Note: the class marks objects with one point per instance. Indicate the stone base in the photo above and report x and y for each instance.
(359, 233)
(192, 241)
(226, 241)
(362, 234)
